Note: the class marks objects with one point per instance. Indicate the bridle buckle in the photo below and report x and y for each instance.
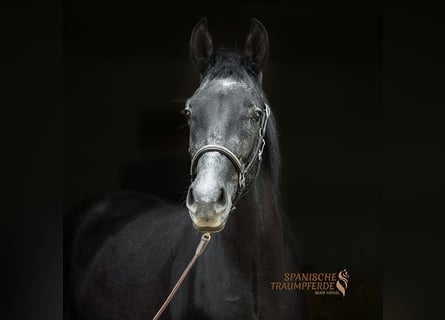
(242, 180)
(260, 152)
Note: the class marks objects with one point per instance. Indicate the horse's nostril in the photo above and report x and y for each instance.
(221, 203)
(190, 202)
(222, 197)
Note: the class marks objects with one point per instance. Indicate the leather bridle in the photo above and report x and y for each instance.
(242, 168)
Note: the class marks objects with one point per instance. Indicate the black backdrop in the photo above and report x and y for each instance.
(127, 73)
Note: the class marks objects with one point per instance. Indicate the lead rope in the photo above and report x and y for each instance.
(205, 239)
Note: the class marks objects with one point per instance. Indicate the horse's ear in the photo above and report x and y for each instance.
(201, 47)
(257, 44)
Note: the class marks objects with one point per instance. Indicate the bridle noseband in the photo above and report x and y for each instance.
(243, 169)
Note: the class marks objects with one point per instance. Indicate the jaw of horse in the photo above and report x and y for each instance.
(203, 223)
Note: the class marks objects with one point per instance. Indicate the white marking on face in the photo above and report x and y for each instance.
(227, 83)
(205, 181)
(224, 84)
(207, 184)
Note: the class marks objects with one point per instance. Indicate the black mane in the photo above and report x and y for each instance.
(272, 154)
(230, 63)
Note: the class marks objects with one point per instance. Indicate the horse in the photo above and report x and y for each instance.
(129, 248)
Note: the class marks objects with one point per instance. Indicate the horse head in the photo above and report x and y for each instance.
(227, 117)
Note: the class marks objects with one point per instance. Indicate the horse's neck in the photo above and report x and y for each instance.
(255, 228)
(255, 242)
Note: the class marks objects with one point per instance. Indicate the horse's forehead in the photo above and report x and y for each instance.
(229, 84)
(224, 87)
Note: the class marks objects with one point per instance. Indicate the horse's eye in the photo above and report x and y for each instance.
(187, 113)
(257, 115)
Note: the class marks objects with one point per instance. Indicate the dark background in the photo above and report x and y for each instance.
(33, 143)
(126, 75)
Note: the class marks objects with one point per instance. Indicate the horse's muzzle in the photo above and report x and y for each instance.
(208, 208)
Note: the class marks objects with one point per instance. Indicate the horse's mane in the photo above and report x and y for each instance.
(229, 63)
(272, 154)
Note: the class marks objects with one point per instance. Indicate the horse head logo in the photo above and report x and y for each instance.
(342, 282)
